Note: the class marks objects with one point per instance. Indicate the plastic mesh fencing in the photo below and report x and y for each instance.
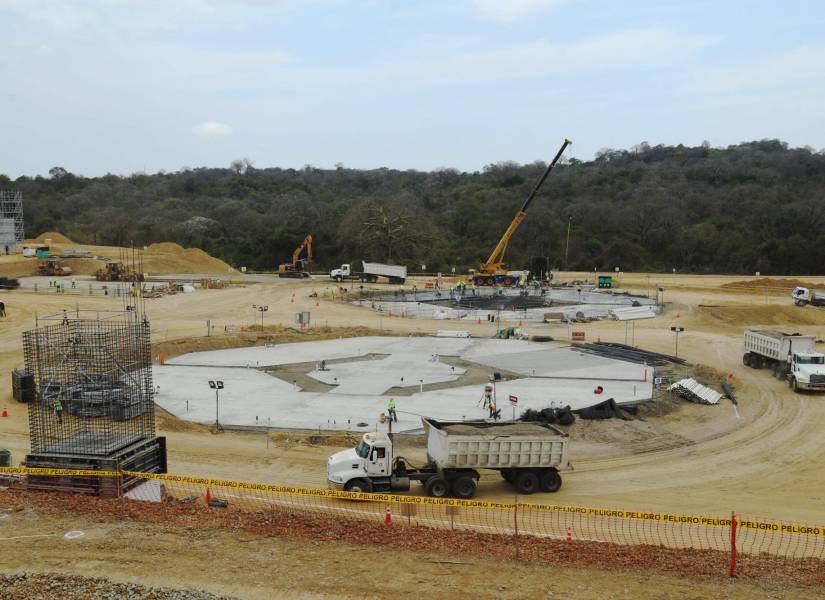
(558, 534)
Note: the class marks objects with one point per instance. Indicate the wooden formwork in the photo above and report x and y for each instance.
(145, 456)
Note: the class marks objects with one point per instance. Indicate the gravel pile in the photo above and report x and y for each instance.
(55, 586)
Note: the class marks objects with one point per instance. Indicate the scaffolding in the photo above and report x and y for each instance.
(11, 220)
(93, 378)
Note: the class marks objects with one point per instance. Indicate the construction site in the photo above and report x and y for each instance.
(614, 425)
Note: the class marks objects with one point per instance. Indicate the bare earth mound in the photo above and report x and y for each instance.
(769, 283)
(748, 316)
(55, 236)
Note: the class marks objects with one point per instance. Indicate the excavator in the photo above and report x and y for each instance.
(298, 268)
(493, 271)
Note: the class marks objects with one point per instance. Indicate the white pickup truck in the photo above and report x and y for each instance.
(529, 456)
(791, 356)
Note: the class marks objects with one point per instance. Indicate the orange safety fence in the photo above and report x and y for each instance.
(569, 535)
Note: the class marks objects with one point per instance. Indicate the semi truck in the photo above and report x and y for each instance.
(791, 357)
(370, 273)
(528, 456)
(802, 296)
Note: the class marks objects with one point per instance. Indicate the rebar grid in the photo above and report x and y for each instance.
(94, 383)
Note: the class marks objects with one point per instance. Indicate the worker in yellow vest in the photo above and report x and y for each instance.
(391, 410)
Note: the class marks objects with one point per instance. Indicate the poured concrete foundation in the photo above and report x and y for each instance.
(553, 376)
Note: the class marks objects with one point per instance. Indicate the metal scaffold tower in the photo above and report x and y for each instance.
(11, 219)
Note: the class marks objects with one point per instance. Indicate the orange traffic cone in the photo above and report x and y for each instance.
(569, 535)
(208, 495)
(5, 412)
(388, 516)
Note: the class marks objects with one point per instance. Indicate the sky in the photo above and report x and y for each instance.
(116, 86)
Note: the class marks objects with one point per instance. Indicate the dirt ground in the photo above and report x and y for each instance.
(693, 460)
(245, 565)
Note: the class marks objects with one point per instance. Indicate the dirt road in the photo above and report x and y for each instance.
(696, 460)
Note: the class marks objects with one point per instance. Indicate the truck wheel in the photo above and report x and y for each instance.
(550, 480)
(526, 482)
(357, 485)
(746, 359)
(794, 385)
(338, 278)
(464, 487)
(437, 487)
(777, 370)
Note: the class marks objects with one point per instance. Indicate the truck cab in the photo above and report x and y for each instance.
(341, 273)
(808, 370)
(365, 468)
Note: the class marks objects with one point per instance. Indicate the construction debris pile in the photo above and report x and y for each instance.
(692, 390)
(560, 416)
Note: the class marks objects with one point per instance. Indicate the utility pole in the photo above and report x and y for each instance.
(567, 244)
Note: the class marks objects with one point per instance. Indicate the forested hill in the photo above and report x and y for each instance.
(756, 206)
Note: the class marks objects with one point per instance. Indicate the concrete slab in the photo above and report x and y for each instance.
(376, 376)
(299, 352)
(251, 397)
(564, 363)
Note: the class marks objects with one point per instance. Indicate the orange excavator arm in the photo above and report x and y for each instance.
(307, 243)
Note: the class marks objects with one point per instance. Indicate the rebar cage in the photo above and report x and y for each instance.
(93, 377)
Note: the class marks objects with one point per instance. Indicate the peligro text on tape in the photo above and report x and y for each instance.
(778, 527)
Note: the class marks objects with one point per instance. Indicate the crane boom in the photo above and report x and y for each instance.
(494, 265)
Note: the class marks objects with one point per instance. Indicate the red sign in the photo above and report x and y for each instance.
(577, 336)
(513, 400)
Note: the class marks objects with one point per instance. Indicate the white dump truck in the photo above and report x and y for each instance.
(791, 356)
(528, 455)
(370, 273)
(802, 296)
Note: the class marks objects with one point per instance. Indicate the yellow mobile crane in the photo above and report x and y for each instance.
(298, 268)
(493, 271)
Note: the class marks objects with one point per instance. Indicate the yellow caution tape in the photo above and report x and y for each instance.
(676, 519)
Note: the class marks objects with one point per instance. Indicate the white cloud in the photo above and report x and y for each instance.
(507, 11)
(212, 129)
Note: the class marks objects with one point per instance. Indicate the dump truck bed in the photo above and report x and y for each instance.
(481, 445)
(776, 344)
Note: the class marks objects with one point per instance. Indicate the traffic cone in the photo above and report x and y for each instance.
(5, 412)
(208, 495)
(569, 535)
(388, 516)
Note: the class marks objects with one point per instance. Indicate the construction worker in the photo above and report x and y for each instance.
(493, 411)
(391, 410)
(488, 396)
(58, 410)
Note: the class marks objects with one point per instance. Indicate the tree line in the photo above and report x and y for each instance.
(755, 206)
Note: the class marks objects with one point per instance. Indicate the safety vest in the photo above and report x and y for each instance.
(58, 406)
(391, 404)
